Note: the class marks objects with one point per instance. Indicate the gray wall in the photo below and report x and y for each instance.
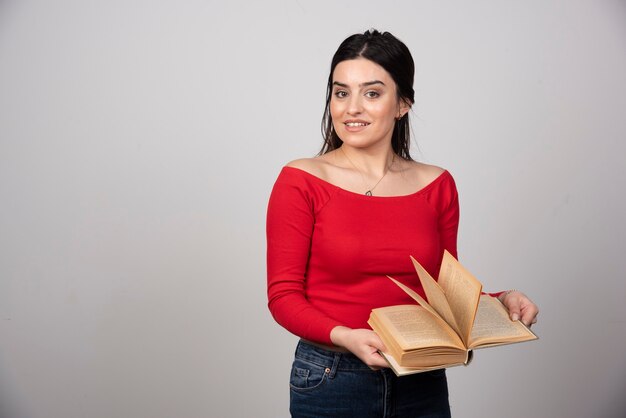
(139, 142)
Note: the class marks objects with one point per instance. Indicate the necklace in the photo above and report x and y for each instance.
(371, 189)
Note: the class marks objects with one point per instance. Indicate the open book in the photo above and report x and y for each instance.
(443, 331)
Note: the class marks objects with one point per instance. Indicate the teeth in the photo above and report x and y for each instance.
(356, 124)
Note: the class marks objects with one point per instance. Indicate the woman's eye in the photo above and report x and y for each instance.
(372, 94)
(340, 94)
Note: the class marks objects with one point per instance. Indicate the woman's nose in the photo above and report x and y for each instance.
(355, 106)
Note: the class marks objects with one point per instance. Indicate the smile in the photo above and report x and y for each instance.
(356, 124)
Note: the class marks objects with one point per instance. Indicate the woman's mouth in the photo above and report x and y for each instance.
(356, 124)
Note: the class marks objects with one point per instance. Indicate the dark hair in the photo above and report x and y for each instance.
(390, 53)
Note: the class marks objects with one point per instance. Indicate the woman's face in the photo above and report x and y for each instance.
(364, 104)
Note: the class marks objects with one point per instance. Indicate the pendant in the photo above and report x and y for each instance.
(368, 193)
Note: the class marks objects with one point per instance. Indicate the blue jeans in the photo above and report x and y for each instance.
(329, 384)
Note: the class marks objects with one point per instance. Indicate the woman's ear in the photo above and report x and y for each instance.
(404, 108)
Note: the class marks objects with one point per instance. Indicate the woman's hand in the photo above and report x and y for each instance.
(363, 343)
(520, 307)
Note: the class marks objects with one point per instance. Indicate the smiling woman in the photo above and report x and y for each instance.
(364, 105)
(395, 60)
(338, 223)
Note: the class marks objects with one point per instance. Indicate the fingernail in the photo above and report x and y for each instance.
(514, 317)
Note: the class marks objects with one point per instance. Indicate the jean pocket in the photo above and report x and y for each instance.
(307, 376)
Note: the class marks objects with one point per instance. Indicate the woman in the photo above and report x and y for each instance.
(338, 223)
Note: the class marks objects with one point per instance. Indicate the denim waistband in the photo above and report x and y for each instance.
(330, 359)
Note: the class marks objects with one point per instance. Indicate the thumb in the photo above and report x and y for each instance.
(514, 310)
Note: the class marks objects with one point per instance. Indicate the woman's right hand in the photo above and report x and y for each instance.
(363, 343)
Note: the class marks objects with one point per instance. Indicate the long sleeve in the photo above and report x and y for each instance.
(290, 223)
(445, 200)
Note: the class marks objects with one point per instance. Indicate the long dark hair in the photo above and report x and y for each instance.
(390, 53)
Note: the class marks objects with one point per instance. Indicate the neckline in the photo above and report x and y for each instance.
(363, 196)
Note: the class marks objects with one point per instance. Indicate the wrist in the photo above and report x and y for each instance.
(506, 293)
(338, 334)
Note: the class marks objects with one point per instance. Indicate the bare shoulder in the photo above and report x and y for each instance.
(421, 173)
(316, 166)
(428, 172)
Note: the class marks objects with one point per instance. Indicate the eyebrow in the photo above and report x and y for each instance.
(366, 84)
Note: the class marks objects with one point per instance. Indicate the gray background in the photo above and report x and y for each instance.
(139, 141)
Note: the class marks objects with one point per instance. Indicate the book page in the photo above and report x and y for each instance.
(414, 327)
(436, 296)
(462, 290)
(416, 296)
(493, 325)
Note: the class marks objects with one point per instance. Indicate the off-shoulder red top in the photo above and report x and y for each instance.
(329, 250)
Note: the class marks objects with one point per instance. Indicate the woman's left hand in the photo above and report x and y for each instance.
(520, 307)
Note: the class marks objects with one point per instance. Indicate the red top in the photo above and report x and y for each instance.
(329, 250)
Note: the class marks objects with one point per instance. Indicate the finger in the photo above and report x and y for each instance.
(514, 308)
(376, 361)
(377, 343)
(529, 314)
